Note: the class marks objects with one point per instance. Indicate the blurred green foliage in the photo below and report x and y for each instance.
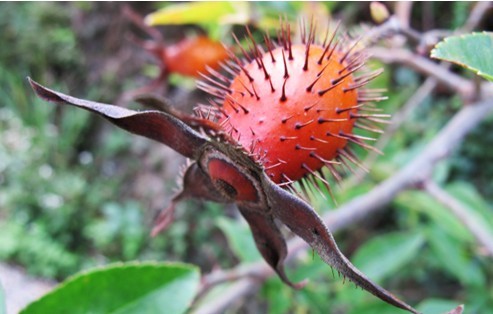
(64, 207)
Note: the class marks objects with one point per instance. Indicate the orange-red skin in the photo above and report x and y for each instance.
(221, 170)
(270, 124)
(190, 56)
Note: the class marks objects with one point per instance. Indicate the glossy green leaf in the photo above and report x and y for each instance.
(472, 51)
(240, 239)
(200, 13)
(384, 255)
(124, 289)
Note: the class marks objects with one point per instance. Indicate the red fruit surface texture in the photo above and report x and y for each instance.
(292, 122)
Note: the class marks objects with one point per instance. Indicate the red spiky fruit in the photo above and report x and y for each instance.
(294, 126)
(294, 106)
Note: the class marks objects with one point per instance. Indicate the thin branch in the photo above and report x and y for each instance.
(414, 101)
(416, 171)
(425, 66)
(240, 288)
(476, 226)
(391, 27)
(398, 24)
(138, 21)
(476, 15)
(403, 10)
(220, 276)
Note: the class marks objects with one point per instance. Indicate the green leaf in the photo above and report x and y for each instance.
(455, 258)
(200, 13)
(420, 202)
(123, 289)
(279, 298)
(472, 51)
(384, 255)
(240, 239)
(466, 193)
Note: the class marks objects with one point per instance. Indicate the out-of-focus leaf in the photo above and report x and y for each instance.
(313, 298)
(436, 306)
(480, 301)
(119, 223)
(280, 297)
(10, 232)
(461, 10)
(309, 266)
(454, 258)
(382, 256)
(441, 172)
(422, 203)
(466, 193)
(240, 239)
(472, 51)
(347, 194)
(123, 289)
(201, 13)
(345, 295)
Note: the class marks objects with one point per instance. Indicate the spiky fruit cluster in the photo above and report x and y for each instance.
(294, 106)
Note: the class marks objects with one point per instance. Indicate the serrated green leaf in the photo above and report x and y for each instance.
(200, 13)
(123, 289)
(384, 255)
(240, 239)
(472, 51)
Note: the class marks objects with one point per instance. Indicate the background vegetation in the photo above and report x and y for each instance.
(77, 193)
